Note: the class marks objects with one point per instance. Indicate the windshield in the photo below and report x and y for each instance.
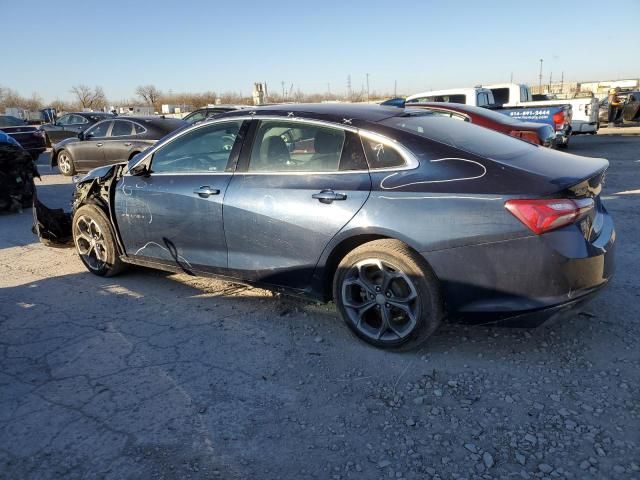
(465, 136)
(9, 121)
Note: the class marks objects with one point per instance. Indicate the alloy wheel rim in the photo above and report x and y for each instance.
(90, 242)
(64, 164)
(380, 300)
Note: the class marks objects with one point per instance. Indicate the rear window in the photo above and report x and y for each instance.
(465, 136)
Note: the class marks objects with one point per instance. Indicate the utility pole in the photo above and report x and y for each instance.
(367, 88)
(562, 83)
(282, 83)
(540, 77)
(349, 87)
(550, 77)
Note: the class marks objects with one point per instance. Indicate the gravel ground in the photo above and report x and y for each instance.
(155, 375)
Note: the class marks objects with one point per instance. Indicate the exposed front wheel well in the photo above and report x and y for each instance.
(133, 154)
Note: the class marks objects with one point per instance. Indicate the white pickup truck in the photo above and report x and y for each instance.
(584, 110)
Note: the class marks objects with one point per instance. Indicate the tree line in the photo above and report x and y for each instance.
(94, 98)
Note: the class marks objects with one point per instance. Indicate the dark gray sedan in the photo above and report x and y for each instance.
(110, 141)
(402, 217)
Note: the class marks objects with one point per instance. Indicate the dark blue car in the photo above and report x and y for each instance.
(403, 218)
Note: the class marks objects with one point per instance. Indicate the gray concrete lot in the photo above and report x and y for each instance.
(154, 375)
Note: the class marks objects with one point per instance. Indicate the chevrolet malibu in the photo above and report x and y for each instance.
(403, 217)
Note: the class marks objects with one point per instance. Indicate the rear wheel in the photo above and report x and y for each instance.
(387, 295)
(95, 242)
(65, 163)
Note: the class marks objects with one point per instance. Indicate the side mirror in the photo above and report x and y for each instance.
(141, 170)
(81, 135)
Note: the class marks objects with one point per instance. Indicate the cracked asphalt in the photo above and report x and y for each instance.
(153, 375)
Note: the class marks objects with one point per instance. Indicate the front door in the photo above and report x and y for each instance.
(88, 153)
(117, 146)
(173, 215)
(297, 186)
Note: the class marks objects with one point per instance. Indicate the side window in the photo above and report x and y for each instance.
(196, 117)
(380, 155)
(282, 146)
(121, 128)
(483, 99)
(78, 120)
(500, 95)
(206, 149)
(138, 129)
(64, 120)
(99, 130)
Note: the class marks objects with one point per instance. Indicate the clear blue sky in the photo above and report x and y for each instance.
(184, 45)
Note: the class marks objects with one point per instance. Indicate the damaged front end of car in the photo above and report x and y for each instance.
(54, 226)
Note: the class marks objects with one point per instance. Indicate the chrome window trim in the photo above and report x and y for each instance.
(411, 161)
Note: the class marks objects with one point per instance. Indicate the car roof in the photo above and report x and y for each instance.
(335, 112)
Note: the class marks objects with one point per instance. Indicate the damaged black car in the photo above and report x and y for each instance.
(17, 172)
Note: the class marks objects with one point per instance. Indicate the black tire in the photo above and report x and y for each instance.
(362, 298)
(100, 256)
(65, 163)
(564, 145)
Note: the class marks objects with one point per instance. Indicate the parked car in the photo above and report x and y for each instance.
(204, 113)
(110, 141)
(29, 137)
(476, 96)
(584, 110)
(630, 108)
(557, 117)
(401, 216)
(16, 175)
(71, 124)
(536, 133)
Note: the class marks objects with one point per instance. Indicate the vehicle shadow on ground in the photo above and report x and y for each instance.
(178, 300)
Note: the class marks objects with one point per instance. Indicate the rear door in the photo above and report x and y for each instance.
(298, 184)
(173, 216)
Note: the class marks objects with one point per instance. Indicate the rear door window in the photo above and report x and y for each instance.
(121, 128)
(282, 146)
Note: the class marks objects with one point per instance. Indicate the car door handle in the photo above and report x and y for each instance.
(206, 191)
(128, 144)
(99, 144)
(328, 196)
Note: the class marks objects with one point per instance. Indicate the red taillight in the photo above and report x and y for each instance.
(559, 120)
(527, 136)
(545, 215)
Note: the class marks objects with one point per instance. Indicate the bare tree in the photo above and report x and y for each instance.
(150, 94)
(88, 98)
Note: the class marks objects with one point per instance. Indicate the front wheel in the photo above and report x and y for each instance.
(387, 295)
(65, 163)
(95, 242)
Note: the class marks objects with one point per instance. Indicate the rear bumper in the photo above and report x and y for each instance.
(525, 280)
(578, 126)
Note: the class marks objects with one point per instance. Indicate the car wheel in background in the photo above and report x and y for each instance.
(387, 295)
(65, 163)
(95, 242)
